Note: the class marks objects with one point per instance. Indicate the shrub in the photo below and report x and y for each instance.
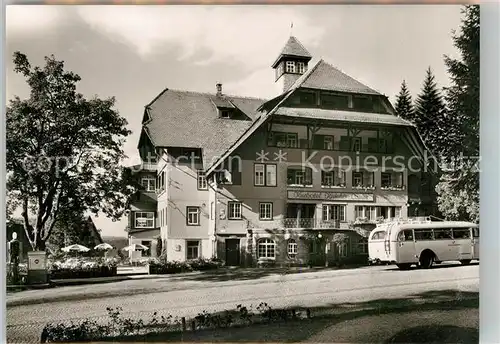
(82, 267)
(162, 266)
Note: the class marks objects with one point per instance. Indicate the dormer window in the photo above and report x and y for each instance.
(290, 66)
(225, 114)
(301, 67)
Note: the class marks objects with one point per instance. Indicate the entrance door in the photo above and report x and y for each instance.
(406, 247)
(232, 252)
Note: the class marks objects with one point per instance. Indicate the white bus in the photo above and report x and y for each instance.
(423, 242)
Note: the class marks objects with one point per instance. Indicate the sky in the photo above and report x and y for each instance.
(134, 52)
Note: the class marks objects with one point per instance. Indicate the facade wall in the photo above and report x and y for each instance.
(139, 238)
(177, 249)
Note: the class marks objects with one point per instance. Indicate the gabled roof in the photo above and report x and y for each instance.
(324, 76)
(333, 80)
(190, 119)
(293, 48)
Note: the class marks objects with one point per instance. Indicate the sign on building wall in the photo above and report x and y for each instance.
(331, 196)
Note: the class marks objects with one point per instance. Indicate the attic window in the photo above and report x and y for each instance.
(308, 98)
(301, 67)
(225, 114)
(363, 103)
(290, 66)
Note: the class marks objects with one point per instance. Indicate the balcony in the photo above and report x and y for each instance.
(310, 223)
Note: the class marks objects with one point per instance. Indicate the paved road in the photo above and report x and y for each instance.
(191, 294)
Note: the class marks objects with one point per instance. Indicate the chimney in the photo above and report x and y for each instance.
(218, 86)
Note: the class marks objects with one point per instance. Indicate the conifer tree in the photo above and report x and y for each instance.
(430, 113)
(404, 105)
(458, 191)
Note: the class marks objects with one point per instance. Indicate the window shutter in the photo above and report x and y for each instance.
(235, 172)
(318, 141)
(341, 177)
(303, 143)
(308, 176)
(290, 176)
(367, 178)
(270, 139)
(372, 144)
(389, 144)
(344, 143)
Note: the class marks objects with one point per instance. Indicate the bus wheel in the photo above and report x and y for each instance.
(426, 260)
(465, 262)
(404, 266)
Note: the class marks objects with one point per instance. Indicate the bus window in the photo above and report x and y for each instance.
(380, 235)
(423, 234)
(475, 232)
(461, 233)
(406, 235)
(442, 234)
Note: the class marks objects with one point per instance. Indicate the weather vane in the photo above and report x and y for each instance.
(291, 29)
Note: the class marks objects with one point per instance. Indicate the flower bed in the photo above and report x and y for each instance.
(161, 266)
(82, 268)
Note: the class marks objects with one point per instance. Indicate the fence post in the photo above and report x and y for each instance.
(183, 324)
(193, 325)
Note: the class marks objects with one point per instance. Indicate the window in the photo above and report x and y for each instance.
(225, 114)
(299, 176)
(144, 220)
(202, 181)
(291, 140)
(327, 178)
(149, 183)
(147, 243)
(234, 210)
(160, 184)
(406, 235)
(424, 234)
(259, 174)
(328, 142)
(193, 216)
(265, 175)
(279, 139)
(443, 234)
(356, 144)
(333, 212)
(334, 101)
(266, 248)
(363, 246)
(475, 232)
(301, 67)
(292, 248)
(266, 211)
(308, 98)
(386, 180)
(363, 103)
(270, 175)
(357, 179)
(379, 235)
(371, 213)
(192, 249)
(290, 66)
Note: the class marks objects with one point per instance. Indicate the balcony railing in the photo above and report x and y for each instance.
(310, 223)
